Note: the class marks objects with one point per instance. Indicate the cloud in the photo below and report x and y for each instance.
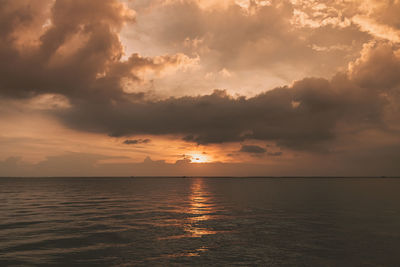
(77, 53)
(257, 37)
(78, 56)
(136, 141)
(252, 149)
(377, 67)
(378, 30)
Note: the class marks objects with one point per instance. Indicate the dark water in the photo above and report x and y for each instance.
(199, 221)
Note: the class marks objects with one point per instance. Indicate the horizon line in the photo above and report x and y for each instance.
(208, 176)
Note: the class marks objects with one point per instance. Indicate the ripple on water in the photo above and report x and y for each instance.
(125, 222)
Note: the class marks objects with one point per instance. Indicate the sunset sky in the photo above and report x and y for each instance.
(199, 87)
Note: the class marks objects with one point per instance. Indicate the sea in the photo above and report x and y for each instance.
(185, 221)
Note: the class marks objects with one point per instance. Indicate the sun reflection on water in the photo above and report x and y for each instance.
(200, 210)
(200, 207)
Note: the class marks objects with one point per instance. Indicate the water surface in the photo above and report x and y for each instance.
(199, 221)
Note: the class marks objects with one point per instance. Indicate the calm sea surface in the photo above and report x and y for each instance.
(199, 221)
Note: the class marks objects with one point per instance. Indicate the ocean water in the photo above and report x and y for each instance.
(199, 222)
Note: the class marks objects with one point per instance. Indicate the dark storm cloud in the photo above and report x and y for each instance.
(136, 141)
(44, 68)
(78, 54)
(252, 149)
(302, 116)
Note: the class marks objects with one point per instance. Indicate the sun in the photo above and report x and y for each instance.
(198, 158)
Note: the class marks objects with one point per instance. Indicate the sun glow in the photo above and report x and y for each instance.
(198, 158)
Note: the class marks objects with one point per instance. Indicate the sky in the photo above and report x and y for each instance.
(200, 87)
